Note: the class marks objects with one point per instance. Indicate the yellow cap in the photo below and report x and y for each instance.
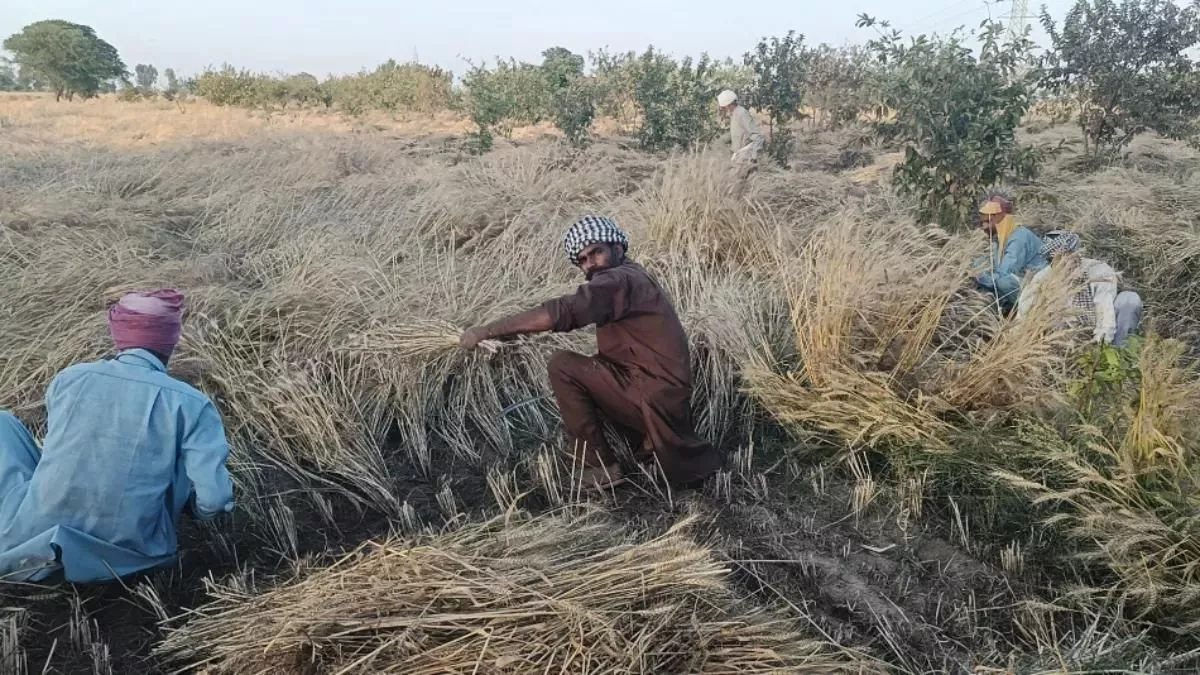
(990, 208)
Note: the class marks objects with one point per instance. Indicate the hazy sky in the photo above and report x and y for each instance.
(322, 38)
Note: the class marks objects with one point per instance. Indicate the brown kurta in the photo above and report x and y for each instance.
(641, 379)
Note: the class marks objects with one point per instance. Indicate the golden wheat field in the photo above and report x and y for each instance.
(909, 488)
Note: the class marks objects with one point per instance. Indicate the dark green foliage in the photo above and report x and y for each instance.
(66, 57)
(956, 115)
(779, 66)
(571, 95)
(8, 76)
(501, 98)
(146, 77)
(675, 100)
(1126, 69)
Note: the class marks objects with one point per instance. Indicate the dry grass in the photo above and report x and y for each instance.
(566, 592)
(1131, 503)
(328, 274)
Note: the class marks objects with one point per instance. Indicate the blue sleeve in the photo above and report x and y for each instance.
(205, 450)
(1016, 257)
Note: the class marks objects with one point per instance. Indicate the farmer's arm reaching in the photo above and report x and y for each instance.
(536, 320)
(599, 301)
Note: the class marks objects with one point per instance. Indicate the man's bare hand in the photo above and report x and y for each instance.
(471, 337)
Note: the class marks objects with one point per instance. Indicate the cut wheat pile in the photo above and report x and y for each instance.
(565, 592)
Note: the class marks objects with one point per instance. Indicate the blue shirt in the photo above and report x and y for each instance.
(1022, 252)
(127, 446)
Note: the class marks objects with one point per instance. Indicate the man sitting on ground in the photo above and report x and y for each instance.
(641, 379)
(127, 448)
(1112, 315)
(1014, 250)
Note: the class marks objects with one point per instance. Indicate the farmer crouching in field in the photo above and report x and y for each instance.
(1112, 315)
(1014, 250)
(127, 448)
(744, 134)
(641, 379)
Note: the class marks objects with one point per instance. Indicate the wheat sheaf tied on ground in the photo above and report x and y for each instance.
(568, 591)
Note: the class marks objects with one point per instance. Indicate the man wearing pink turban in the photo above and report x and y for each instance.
(128, 448)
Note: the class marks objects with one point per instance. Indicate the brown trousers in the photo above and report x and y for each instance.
(591, 389)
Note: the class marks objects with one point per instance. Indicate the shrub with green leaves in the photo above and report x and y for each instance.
(1127, 70)
(229, 87)
(778, 66)
(676, 101)
(836, 84)
(411, 87)
(502, 98)
(614, 77)
(571, 96)
(955, 113)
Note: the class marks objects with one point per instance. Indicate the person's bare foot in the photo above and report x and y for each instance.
(598, 478)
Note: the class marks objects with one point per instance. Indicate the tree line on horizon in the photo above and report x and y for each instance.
(954, 102)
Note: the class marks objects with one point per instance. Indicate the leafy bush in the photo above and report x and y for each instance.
(675, 101)
(778, 66)
(410, 87)
(956, 115)
(571, 96)
(129, 94)
(391, 87)
(614, 77)
(509, 95)
(836, 84)
(1127, 70)
(229, 86)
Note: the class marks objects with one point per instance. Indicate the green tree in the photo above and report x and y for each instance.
(561, 67)
(303, 89)
(68, 57)
(500, 98)
(571, 95)
(146, 77)
(613, 78)
(675, 101)
(175, 90)
(836, 84)
(228, 86)
(778, 87)
(956, 114)
(8, 76)
(1126, 68)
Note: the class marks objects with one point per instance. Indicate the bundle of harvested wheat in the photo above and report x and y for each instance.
(569, 592)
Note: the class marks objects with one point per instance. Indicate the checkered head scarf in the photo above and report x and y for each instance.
(590, 230)
(1059, 242)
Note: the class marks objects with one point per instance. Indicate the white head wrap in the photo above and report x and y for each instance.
(726, 97)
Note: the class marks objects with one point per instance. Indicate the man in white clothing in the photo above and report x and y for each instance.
(1112, 315)
(746, 138)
